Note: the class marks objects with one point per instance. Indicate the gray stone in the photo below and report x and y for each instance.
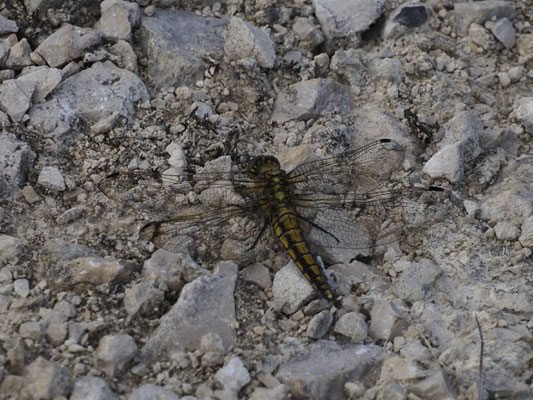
(16, 159)
(399, 369)
(47, 380)
(506, 231)
(142, 298)
(90, 95)
(22, 287)
(51, 178)
(66, 44)
(387, 69)
(46, 79)
(114, 24)
(348, 64)
(56, 333)
(243, 40)
(413, 350)
(526, 238)
(5, 302)
(291, 290)
(448, 163)
(435, 386)
(15, 97)
(345, 19)
(91, 388)
(34, 6)
(176, 44)
(480, 12)
(19, 55)
(31, 330)
(480, 36)
(416, 279)
(211, 298)
(524, 45)
(171, 271)
(505, 32)
(150, 391)
(386, 320)
(321, 369)
(233, 376)
(95, 270)
(308, 34)
(114, 352)
(319, 324)
(125, 56)
(279, 392)
(65, 308)
(466, 128)
(7, 26)
(70, 215)
(211, 342)
(513, 205)
(257, 274)
(311, 99)
(353, 326)
(11, 247)
(523, 111)
(516, 73)
(403, 19)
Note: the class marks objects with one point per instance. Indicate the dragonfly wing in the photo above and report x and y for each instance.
(359, 170)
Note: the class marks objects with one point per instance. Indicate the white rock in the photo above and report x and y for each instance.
(47, 380)
(7, 26)
(91, 388)
(11, 247)
(447, 163)
(46, 79)
(319, 324)
(506, 231)
(353, 326)
(142, 298)
(151, 391)
(526, 238)
(523, 110)
(19, 55)
(15, 97)
(233, 376)
(22, 287)
(386, 321)
(417, 280)
(52, 179)
(244, 40)
(258, 274)
(290, 289)
(114, 352)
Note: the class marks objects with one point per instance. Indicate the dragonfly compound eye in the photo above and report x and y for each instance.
(260, 165)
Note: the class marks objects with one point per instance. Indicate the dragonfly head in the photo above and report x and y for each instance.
(263, 166)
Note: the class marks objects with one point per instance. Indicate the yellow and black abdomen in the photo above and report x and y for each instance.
(287, 229)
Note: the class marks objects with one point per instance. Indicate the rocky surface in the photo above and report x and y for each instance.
(90, 309)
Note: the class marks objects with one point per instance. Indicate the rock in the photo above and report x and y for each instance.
(46, 79)
(142, 298)
(11, 247)
(353, 326)
(22, 287)
(72, 214)
(114, 352)
(150, 391)
(211, 298)
(34, 6)
(480, 36)
(7, 26)
(319, 324)
(16, 159)
(171, 271)
(515, 73)
(308, 34)
(96, 270)
(524, 45)
(348, 64)
(15, 97)
(505, 32)
(466, 128)
(526, 238)
(125, 56)
(243, 40)
(435, 386)
(342, 19)
(387, 69)
(56, 333)
(65, 308)
(91, 388)
(257, 274)
(357, 272)
(399, 369)
(416, 280)
(404, 18)
(523, 111)
(279, 392)
(176, 44)
(321, 369)
(31, 330)
(310, 99)
(233, 376)
(117, 20)
(512, 205)
(413, 350)
(47, 380)
(506, 231)
(386, 320)
(19, 55)
(66, 44)
(51, 178)
(480, 12)
(291, 290)
(90, 95)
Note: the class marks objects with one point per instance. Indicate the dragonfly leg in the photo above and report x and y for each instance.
(265, 224)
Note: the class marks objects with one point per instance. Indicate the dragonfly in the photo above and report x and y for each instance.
(344, 205)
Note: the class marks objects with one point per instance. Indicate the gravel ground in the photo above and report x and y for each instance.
(87, 89)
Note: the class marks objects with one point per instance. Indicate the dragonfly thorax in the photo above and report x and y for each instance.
(264, 167)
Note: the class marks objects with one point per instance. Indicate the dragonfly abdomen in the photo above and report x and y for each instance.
(287, 229)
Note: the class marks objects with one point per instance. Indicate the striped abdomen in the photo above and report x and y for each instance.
(288, 231)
